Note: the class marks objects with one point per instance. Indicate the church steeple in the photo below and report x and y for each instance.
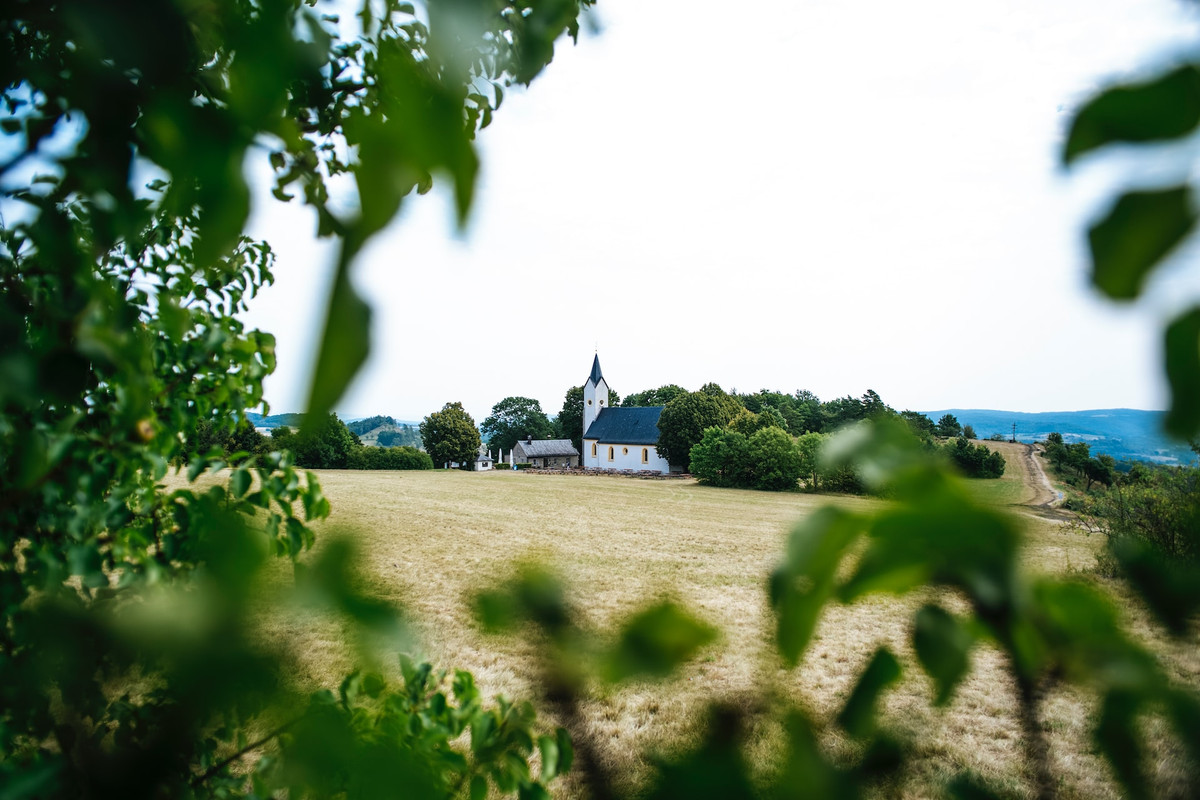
(595, 395)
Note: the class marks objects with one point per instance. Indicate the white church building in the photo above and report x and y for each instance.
(618, 438)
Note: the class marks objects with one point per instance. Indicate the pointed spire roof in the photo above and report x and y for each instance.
(596, 375)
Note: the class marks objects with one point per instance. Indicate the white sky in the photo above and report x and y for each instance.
(790, 195)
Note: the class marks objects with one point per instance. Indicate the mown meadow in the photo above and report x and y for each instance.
(431, 540)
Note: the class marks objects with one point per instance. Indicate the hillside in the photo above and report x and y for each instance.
(380, 430)
(1123, 433)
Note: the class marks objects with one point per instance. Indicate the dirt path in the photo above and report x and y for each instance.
(1044, 493)
(1043, 499)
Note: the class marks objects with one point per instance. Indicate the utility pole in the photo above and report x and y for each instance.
(1014, 434)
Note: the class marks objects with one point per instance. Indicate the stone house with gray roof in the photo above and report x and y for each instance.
(618, 438)
(546, 453)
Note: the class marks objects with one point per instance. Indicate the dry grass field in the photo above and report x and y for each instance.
(430, 539)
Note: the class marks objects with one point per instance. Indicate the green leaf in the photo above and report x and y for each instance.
(1135, 236)
(858, 715)
(195, 467)
(656, 641)
(479, 788)
(966, 786)
(1117, 736)
(1170, 588)
(239, 482)
(344, 346)
(801, 587)
(1183, 373)
(548, 747)
(1165, 108)
(566, 751)
(943, 646)
(1184, 711)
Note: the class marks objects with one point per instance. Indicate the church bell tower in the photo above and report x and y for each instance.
(595, 395)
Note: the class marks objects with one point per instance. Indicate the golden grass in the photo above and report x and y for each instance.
(430, 539)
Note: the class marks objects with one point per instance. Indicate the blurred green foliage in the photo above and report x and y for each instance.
(128, 666)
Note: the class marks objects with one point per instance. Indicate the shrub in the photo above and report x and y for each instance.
(974, 460)
(720, 458)
(774, 460)
(398, 458)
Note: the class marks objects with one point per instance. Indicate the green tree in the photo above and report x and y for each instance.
(840, 412)
(808, 446)
(721, 458)
(515, 418)
(948, 427)
(684, 421)
(774, 459)
(569, 422)
(654, 397)
(450, 435)
(745, 422)
(969, 432)
(918, 423)
(326, 445)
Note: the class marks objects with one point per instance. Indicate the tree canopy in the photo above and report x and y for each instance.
(569, 422)
(685, 419)
(515, 418)
(450, 435)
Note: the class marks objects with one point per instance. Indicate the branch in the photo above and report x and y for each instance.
(214, 769)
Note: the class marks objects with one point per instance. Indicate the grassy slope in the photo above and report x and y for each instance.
(430, 538)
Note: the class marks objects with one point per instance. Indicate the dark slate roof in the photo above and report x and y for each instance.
(547, 448)
(626, 426)
(596, 375)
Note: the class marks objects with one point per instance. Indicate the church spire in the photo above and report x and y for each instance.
(596, 375)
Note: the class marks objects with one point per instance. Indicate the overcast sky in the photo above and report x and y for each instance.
(789, 195)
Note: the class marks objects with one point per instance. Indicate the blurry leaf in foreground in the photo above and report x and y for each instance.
(1117, 736)
(807, 775)
(858, 715)
(1183, 373)
(1170, 588)
(880, 450)
(971, 787)
(656, 641)
(1140, 229)
(332, 581)
(533, 595)
(801, 586)
(943, 646)
(345, 344)
(714, 771)
(1167, 107)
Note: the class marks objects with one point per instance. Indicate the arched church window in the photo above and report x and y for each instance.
(645, 455)
(593, 449)
(610, 454)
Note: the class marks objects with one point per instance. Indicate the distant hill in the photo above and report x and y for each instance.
(275, 420)
(379, 430)
(1123, 433)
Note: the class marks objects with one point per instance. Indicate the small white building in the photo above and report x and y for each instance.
(618, 438)
(484, 460)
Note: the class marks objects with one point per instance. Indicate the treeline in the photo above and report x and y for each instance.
(330, 445)
(723, 442)
(1075, 464)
